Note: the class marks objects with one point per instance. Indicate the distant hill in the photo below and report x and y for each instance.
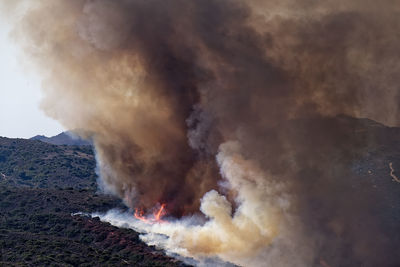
(65, 138)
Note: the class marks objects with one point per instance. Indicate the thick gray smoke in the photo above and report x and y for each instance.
(236, 109)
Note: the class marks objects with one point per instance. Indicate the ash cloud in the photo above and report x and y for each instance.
(238, 109)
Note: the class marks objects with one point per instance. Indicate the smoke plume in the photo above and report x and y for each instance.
(237, 110)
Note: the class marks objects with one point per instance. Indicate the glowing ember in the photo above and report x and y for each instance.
(154, 218)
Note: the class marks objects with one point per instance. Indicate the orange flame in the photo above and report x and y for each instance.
(155, 218)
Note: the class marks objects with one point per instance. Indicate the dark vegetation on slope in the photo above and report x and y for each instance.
(41, 186)
(42, 165)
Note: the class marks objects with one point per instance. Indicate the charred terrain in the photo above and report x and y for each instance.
(41, 185)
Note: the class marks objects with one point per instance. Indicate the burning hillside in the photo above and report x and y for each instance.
(231, 116)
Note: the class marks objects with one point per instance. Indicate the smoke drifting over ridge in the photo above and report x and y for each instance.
(187, 97)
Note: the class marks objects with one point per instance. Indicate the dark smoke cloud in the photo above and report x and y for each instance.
(267, 87)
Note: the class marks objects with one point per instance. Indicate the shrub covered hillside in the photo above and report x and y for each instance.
(37, 164)
(41, 186)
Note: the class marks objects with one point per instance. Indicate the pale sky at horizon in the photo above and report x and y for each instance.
(20, 95)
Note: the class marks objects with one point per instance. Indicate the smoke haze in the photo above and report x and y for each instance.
(240, 110)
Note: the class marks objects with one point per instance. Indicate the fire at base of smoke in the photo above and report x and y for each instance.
(261, 222)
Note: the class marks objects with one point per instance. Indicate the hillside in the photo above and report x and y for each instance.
(65, 138)
(41, 186)
(41, 165)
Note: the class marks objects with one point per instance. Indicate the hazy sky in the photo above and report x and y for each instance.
(20, 115)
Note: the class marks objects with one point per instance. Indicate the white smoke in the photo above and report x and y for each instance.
(262, 228)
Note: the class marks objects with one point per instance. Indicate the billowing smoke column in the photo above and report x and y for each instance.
(231, 107)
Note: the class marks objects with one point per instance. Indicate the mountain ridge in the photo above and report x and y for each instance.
(65, 138)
